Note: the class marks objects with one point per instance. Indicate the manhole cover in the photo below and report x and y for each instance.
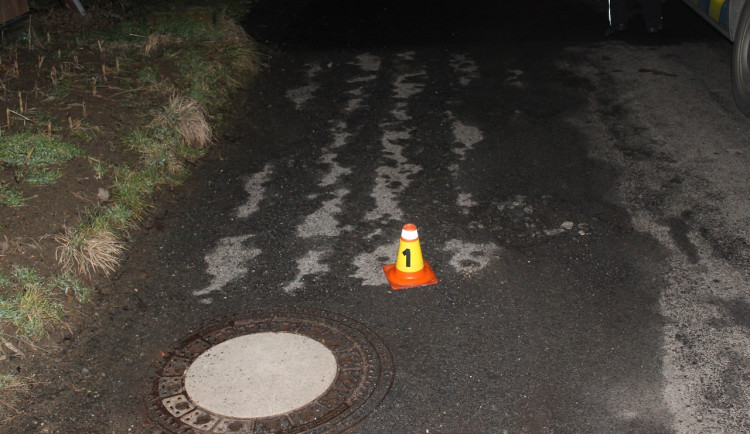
(271, 370)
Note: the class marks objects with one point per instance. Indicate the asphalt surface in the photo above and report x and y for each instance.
(581, 199)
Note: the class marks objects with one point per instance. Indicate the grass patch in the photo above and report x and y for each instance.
(177, 135)
(11, 196)
(131, 188)
(120, 218)
(71, 286)
(33, 155)
(38, 176)
(99, 167)
(30, 305)
(157, 150)
(36, 150)
(212, 59)
(147, 75)
(184, 28)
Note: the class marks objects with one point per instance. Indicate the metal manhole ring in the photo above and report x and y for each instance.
(365, 373)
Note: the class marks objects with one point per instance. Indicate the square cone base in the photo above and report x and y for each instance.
(400, 280)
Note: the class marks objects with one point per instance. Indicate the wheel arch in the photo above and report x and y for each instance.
(735, 10)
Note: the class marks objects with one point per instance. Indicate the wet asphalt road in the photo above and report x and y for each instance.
(588, 233)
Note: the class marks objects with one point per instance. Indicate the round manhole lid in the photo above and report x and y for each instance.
(260, 375)
(271, 370)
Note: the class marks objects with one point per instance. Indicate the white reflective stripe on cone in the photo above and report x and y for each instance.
(409, 235)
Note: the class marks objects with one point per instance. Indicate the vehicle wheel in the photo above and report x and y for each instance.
(741, 61)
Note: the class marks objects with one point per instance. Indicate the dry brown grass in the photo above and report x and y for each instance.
(188, 118)
(230, 30)
(86, 250)
(155, 41)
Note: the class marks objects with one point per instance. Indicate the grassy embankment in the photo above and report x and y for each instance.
(129, 106)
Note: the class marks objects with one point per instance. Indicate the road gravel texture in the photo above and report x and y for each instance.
(582, 200)
(685, 184)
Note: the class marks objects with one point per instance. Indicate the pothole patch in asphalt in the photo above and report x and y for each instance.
(270, 370)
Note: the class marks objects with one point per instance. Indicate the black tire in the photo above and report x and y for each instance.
(741, 61)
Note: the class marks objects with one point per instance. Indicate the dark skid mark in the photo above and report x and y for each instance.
(656, 72)
(678, 229)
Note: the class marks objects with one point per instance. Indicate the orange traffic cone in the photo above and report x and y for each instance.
(409, 270)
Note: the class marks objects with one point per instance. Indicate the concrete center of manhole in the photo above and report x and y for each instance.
(260, 375)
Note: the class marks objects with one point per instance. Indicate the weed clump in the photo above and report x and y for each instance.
(89, 247)
(187, 118)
